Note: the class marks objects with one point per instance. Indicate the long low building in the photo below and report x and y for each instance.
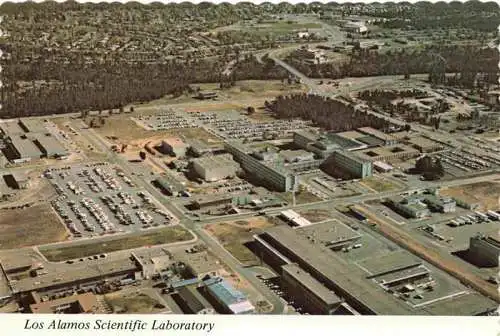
(294, 218)
(20, 149)
(347, 281)
(226, 297)
(50, 146)
(308, 292)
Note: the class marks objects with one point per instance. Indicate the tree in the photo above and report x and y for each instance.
(431, 169)
(250, 110)
(142, 155)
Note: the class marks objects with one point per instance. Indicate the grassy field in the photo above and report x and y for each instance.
(234, 235)
(132, 303)
(30, 226)
(130, 241)
(486, 194)
(378, 184)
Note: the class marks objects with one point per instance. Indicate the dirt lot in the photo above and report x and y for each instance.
(132, 303)
(301, 197)
(378, 184)
(486, 194)
(233, 236)
(243, 94)
(316, 215)
(30, 226)
(129, 241)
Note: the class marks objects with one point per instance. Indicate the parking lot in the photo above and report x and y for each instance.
(274, 284)
(453, 234)
(233, 125)
(99, 198)
(463, 162)
(163, 120)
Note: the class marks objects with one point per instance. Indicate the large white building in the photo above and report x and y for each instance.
(215, 168)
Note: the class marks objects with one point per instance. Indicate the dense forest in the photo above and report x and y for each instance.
(60, 57)
(466, 61)
(333, 115)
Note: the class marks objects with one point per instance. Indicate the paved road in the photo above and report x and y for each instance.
(212, 244)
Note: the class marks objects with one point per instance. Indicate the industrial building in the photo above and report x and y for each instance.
(386, 138)
(411, 206)
(308, 292)
(191, 301)
(333, 234)
(67, 276)
(273, 173)
(200, 264)
(76, 304)
(424, 145)
(225, 298)
(485, 250)
(347, 163)
(281, 245)
(388, 153)
(310, 56)
(215, 168)
(16, 180)
(304, 138)
(50, 146)
(11, 128)
(174, 146)
(199, 148)
(5, 191)
(32, 125)
(20, 149)
(355, 27)
(368, 140)
(440, 204)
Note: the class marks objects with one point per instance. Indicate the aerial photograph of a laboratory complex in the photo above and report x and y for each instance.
(308, 159)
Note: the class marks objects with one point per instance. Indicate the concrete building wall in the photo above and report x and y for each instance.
(484, 251)
(281, 181)
(312, 303)
(352, 165)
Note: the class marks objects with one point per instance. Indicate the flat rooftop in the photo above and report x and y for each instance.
(353, 135)
(87, 302)
(329, 233)
(4, 285)
(79, 271)
(374, 154)
(376, 133)
(200, 262)
(461, 305)
(33, 125)
(345, 277)
(51, 145)
(11, 128)
(313, 285)
(25, 147)
(389, 263)
(216, 161)
(423, 142)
